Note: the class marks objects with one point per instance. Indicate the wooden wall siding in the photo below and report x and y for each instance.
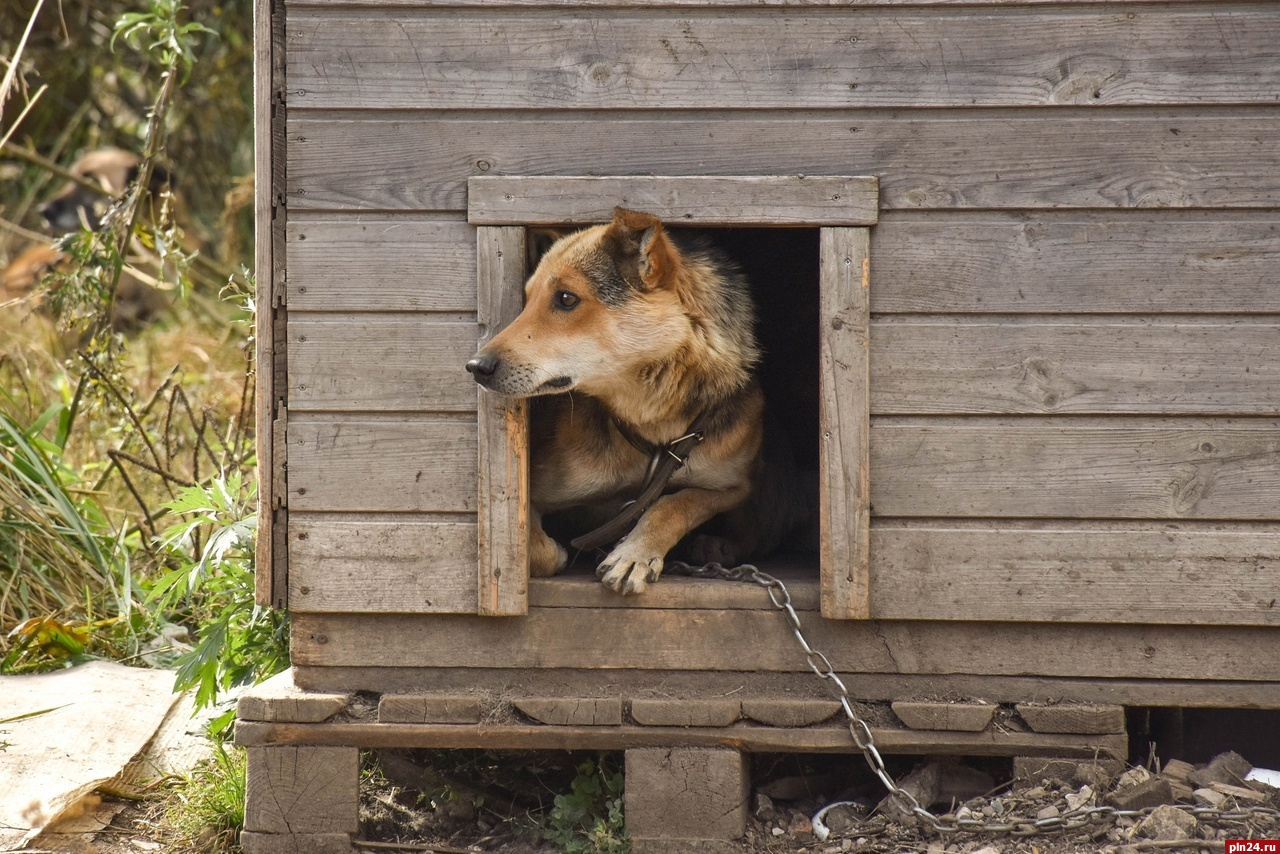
(952, 159)
(506, 59)
(652, 639)
(382, 566)
(918, 366)
(1078, 575)
(418, 464)
(381, 264)
(1080, 366)
(705, 4)
(1085, 572)
(1102, 468)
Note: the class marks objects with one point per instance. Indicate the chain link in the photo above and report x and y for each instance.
(1073, 819)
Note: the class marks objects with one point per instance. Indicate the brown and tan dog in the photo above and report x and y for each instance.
(628, 337)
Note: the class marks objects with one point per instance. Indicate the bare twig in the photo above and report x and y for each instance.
(48, 165)
(118, 455)
(34, 236)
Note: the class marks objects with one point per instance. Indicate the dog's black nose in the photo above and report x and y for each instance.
(483, 366)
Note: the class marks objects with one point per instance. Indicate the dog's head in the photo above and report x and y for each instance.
(602, 303)
(75, 205)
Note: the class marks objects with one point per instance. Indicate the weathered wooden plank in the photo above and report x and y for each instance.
(663, 812)
(595, 639)
(575, 590)
(679, 712)
(502, 436)
(1087, 366)
(428, 709)
(789, 713)
(994, 688)
(415, 363)
(279, 699)
(1049, 262)
(572, 711)
(1074, 718)
(1073, 158)
(302, 789)
(381, 264)
(691, 200)
(1076, 574)
(700, 4)
(844, 417)
(1154, 470)
(824, 739)
(252, 842)
(412, 465)
(954, 717)
(426, 567)
(864, 58)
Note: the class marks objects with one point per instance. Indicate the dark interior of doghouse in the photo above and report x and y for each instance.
(782, 268)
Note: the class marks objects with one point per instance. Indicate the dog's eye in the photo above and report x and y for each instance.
(565, 300)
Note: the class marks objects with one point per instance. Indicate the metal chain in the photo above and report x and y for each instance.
(1073, 819)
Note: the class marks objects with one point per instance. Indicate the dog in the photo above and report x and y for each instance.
(74, 207)
(630, 336)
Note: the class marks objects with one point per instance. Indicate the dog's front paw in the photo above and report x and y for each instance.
(628, 570)
(546, 557)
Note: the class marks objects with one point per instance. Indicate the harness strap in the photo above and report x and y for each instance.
(664, 460)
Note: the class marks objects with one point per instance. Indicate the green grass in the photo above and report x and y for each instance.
(205, 809)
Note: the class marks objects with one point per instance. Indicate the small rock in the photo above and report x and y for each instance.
(1050, 811)
(1209, 798)
(762, 808)
(800, 825)
(936, 847)
(1132, 777)
(777, 831)
(1168, 824)
(964, 813)
(842, 818)
(987, 849)
(1151, 793)
(1075, 800)
(1229, 767)
(1034, 792)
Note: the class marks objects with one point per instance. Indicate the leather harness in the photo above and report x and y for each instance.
(664, 461)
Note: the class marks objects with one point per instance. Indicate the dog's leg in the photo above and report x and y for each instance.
(638, 558)
(546, 556)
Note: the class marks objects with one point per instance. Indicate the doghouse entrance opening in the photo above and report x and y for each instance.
(803, 243)
(782, 270)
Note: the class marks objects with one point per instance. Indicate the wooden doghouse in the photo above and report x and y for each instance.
(1046, 362)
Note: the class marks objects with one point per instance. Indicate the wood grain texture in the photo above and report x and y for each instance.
(381, 264)
(793, 200)
(416, 464)
(701, 713)
(1085, 366)
(954, 717)
(279, 699)
(741, 736)
(1068, 717)
(789, 713)
(296, 789)
(1079, 575)
(1068, 158)
(991, 688)
(865, 58)
(683, 795)
(429, 709)
(1221, 469)
(252, 842)
(700, 4)
(427, 567)
(502, 436)
(572, 711)
(844, 421)
(594, 639)
(400, 363)
(1055, 262)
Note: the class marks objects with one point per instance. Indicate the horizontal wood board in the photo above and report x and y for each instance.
(934, 366)
(700, 4)
(935, 262)
(867, 686)
(1132, 468)
(1067, 574)
(782, 200)
(821, 58)
(651, 639)
(1069, 158)
(363, 264)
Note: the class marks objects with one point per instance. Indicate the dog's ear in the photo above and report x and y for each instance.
(638, 242)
